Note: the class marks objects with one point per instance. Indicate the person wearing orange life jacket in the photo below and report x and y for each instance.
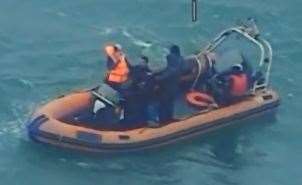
(231, 84)
(118, 67)
(237, 84)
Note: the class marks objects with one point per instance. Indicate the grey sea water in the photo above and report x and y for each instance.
(49, 47)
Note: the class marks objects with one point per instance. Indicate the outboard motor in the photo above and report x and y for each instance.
(106, 106)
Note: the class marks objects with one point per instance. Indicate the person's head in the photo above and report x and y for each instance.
(112, 49)
(174, 49)
(237, 68)
(144, 60)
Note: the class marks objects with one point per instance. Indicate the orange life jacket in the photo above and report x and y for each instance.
(120, 72)
(239, 85)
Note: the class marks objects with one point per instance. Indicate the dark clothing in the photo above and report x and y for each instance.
(222, 83)
(140, 74)
(169, 81)
(110, 64)
(142, 89)
(135, 110)
(166, 107)
(173, 69)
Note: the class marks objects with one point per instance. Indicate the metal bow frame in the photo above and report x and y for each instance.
(251, 33)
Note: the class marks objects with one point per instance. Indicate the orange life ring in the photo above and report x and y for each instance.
(199, 99)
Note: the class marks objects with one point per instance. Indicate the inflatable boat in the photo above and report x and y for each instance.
(70, 121)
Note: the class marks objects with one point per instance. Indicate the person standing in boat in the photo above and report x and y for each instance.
(136, 105)
(169, 81)
(118, 68)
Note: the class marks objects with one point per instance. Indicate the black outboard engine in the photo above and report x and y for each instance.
(106, 106)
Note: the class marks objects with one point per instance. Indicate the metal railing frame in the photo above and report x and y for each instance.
(266, 52)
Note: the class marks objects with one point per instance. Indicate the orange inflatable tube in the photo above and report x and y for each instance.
(48, 125)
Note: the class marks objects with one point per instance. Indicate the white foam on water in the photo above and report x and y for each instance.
(15, 127)
(142, 43)
(104, 31)
(216, 16)
(136, 41)
(27, 83)
(63, 160)
(268, 34)
(58, 13)
(116, 166)
(290, 80)
(61, 14)
(83, 165)
(12, 128)
(290, 95)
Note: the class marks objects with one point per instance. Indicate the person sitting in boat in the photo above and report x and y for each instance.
(239, 81)
(168, 81)
(232, 84)
(118, 68)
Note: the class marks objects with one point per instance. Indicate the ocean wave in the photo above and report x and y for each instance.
(12, 128)
(135, 40)
(103, 31)
(61, 14)
(26, 83)
(20, 82)
(19, 111)
(83, 164)
(290, 95)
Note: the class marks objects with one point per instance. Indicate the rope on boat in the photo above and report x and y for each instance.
(199, 72)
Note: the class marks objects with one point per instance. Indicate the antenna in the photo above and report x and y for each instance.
(194, 10)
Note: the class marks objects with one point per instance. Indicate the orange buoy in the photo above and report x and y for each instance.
(199, 99)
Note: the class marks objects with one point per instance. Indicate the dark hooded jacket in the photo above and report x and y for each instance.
(171, 74)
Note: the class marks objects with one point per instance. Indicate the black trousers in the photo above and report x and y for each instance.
(166, 110)
(167, 102)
